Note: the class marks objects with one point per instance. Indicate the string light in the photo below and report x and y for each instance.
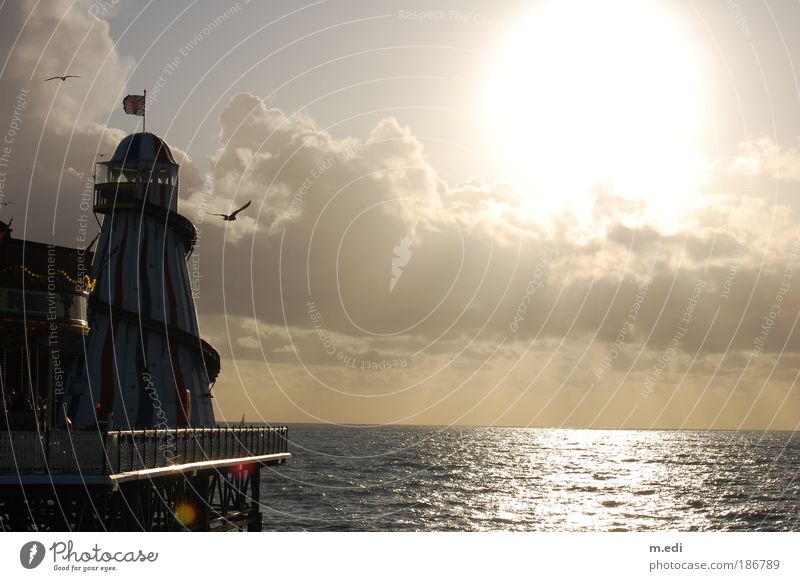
(86, 281)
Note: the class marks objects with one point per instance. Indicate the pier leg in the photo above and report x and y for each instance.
(254, 522)
(202, 501)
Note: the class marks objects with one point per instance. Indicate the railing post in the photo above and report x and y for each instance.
(106, 469)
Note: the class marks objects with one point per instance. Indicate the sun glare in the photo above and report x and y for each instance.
(583, 93)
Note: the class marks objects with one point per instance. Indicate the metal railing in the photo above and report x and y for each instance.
(119, 451)
(111, 197)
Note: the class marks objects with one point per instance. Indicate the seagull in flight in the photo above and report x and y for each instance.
(232, 217)
(64, 78)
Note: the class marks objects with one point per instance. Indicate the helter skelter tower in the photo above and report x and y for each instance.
(145, 361)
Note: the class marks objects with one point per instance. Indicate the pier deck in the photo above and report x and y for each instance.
(174, 479)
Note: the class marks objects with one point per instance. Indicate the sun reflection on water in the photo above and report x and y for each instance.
(538, 480)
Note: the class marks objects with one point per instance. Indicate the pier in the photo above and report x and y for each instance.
(196, 479)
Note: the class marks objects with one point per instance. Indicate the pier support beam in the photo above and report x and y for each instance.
(254, 523)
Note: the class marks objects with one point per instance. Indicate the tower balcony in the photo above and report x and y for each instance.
(116, 196)
(112, 197)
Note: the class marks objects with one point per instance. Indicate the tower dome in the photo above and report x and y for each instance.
(141, 172)
(143, 148)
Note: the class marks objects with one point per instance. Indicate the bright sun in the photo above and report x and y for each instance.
(585, 92)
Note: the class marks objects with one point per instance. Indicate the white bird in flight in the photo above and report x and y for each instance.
(231, 217)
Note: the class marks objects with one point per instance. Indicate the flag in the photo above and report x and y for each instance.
(134, 105)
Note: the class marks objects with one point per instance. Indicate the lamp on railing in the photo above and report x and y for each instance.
(67, 421)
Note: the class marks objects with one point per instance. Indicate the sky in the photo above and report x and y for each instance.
(527, 213)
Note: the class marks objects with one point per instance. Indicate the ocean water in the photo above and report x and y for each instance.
(528, 479)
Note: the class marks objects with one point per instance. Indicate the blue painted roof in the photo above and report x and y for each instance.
(145, 147)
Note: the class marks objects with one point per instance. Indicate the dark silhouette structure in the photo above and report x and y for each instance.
(108, 419)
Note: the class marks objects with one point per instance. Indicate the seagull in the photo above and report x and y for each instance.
(64, 78)
(232, 217)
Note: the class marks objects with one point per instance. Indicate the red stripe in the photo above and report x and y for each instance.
(177, 373)
(118, 265)
(180, 386)
(170, 291)
(107, 373)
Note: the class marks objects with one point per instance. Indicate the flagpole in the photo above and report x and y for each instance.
(144, 114)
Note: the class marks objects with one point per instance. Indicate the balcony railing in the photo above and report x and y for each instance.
(110, 197)
(116, 452)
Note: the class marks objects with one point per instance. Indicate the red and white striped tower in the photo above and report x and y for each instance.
(145, 360)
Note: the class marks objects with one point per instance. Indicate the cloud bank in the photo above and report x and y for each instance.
(491, 312)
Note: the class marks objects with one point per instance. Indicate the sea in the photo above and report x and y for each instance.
(409, 478)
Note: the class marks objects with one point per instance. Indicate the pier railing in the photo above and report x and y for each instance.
(120, 451)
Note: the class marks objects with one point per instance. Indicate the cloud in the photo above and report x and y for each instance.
(59, 126)
(763, 156)
(307, 277)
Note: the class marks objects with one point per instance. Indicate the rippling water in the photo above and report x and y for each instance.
(527, 479)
